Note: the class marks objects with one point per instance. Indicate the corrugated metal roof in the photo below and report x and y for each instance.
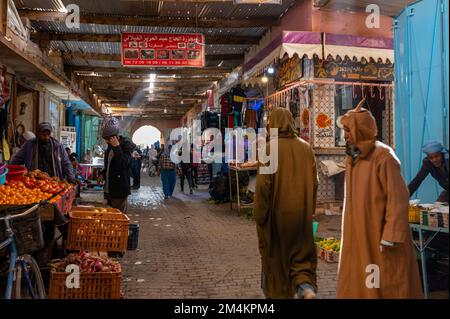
(226, 9)
(61, 27)
(39, 4)
(114, 47)
(86, 47)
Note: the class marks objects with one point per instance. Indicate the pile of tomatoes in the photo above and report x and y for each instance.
(31, 190)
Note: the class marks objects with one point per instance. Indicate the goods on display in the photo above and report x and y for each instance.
(35, 186)
(431, 215)
(87, 263)
(100, 278)
(328, 249)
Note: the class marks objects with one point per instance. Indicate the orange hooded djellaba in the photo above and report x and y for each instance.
(375, 209)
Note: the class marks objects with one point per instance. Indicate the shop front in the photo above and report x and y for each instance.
(318, 91)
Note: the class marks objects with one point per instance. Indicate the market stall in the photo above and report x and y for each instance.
(92, 233)
(428, 221)
(319, 77)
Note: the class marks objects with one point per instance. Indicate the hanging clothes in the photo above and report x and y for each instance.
(251, 118)
(237, 100)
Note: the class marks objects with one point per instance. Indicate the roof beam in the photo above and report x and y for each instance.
(92, 37)
(147, 71)
(118, 57)
(159, 81)
(114, 78)
(103, 19)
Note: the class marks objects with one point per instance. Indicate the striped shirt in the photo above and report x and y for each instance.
(166, 163)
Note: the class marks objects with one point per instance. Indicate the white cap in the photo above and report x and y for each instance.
(28, 135)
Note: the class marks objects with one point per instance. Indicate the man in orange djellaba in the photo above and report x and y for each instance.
(377, 255)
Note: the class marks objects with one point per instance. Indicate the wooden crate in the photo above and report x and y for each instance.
(92, 286)
(97, 231)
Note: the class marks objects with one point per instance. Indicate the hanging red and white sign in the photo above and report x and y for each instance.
(163, 50)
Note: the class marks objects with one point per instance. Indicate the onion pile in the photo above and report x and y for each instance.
(87, 263)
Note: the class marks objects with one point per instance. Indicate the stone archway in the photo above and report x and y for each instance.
(164, 126)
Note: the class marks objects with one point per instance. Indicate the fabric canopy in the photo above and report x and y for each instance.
(315, 43)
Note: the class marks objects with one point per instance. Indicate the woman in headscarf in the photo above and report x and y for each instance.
(436, 164)
(284, 204)
(377, 256)
(167, 171)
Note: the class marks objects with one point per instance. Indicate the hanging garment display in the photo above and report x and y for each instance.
(225, 109)
(294, 101)
(251, 118)
(237, 100)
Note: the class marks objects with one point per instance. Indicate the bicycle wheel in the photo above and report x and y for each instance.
(21, 290)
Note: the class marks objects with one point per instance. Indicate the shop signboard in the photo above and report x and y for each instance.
(305, 124)
(353, 70)
(163, 50)
(288, 70)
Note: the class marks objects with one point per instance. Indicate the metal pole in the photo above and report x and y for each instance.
(424, 264)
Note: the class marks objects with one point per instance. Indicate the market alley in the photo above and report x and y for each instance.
(189, 248)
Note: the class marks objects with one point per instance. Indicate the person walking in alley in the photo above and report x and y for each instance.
(136, 164)
(153, 161)
(46, 154)
(284, 204)
(116, 172)
(167, 171)
(377, 256)
(186, 174)
(436, 164)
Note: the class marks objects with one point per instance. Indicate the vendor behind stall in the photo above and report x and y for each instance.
(46, 154)
(436, 164)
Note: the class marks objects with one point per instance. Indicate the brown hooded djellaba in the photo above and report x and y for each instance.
(284, 204)
(376, 209)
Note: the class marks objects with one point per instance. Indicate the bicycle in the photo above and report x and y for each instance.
(24, 275)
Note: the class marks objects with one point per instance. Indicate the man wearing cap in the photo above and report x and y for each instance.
(116, 172)
(46, 154)
(436, 164)
(377, 258)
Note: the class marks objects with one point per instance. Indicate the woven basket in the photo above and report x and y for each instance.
(414, 214)
(97, 231)
(92, 286)
(27, 231)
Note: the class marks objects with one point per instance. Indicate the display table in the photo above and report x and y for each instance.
(432, 232)
(236, 170)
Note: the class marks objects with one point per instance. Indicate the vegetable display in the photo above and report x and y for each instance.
(330, 244)
(36, 186)
(87, 263)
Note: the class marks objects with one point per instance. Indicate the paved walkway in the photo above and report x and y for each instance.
(191, 249)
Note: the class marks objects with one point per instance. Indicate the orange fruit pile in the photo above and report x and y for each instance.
(18, 194)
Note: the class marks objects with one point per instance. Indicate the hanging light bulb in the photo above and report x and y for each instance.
(165, 110)
(271, 70)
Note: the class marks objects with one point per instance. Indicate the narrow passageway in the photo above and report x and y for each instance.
(191, 249)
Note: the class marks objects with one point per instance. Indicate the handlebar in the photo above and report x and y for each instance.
(25, 213)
